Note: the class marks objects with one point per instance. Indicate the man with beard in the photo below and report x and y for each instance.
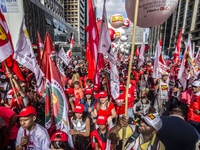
(30, 134)
(141, 136)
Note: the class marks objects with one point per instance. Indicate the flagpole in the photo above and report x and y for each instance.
(130, 65)
(12, 85)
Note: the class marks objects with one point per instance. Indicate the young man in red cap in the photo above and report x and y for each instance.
(99, 136)
(31, 135)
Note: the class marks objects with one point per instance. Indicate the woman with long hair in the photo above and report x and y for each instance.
(59, 141)
(142, 85)
(75, 77)
(80, 128)
(104, 107)
(89, 101)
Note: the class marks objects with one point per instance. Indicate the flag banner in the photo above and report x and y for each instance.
(178, 47)
(6, 48)
(40, 46)
(105, 47)
(197, 59)
(50, 50)
(142, 51)
(183, 72)
(63, 56)
(56, 108)
(59, 66)
(136, 52)
(72, 41)
(156, 63)
(24, 55)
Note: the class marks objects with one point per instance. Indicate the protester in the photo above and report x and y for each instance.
(104, 107)
(8, 116)
(80, 128)
(59, 141)
(194, 109)
(99, 136)
(31, 134)
(162, 87)
(142, 136)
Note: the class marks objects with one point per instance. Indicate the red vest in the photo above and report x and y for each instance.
(102, 145)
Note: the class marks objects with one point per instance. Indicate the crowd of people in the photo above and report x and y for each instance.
(160, 115)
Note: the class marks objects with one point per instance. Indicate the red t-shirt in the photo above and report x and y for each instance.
(120, 110)
(6, 113)
(104, 112)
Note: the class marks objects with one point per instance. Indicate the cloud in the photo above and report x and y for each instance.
(112, 7)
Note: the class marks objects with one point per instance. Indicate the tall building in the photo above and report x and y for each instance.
(163, 32)
(138, 35)
(44, 16)
(74, 13)
(187, 17)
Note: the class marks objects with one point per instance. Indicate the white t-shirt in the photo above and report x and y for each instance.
(38, 138)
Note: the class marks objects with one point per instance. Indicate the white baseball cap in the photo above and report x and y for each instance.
(196, 83)
(153, 119)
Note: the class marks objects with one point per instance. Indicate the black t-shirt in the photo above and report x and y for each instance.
(103, 137)
(177, 134)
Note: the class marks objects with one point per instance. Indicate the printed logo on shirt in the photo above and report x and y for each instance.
(31, 146)
(163, 87)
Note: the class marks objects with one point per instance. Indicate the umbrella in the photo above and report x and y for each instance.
(181, 56)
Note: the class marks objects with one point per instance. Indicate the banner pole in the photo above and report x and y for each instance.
(12, 85)
(130, 65)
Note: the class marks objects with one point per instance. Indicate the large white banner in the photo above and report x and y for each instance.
(24, 55)
(63, 56)
(105, 47)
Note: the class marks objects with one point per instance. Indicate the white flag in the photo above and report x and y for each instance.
(142, 50)
(197, 59)
(183, 72)
(64, 57)
(156, 63)
(24, 55)
(105, 47)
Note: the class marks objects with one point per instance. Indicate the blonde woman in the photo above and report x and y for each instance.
(104, 107)
(75, 77)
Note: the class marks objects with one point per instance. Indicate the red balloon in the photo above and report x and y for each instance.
(112, 34)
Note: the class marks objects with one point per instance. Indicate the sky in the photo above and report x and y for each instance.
(112, 7)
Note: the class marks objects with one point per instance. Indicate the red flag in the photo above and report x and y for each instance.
(72, 41)
(147, 47)
(178, 47)
(6, 48)
(92, 48)
(50, 50)
(136, 52)
(40, 46)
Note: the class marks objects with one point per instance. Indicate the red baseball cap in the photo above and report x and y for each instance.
(27, 111)
(63, 135)
(102, 94)
(96, 88)
(122, 87)
(79, 108)
(88, 91)
(101, 120)
(69, 90)
(11, 92)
